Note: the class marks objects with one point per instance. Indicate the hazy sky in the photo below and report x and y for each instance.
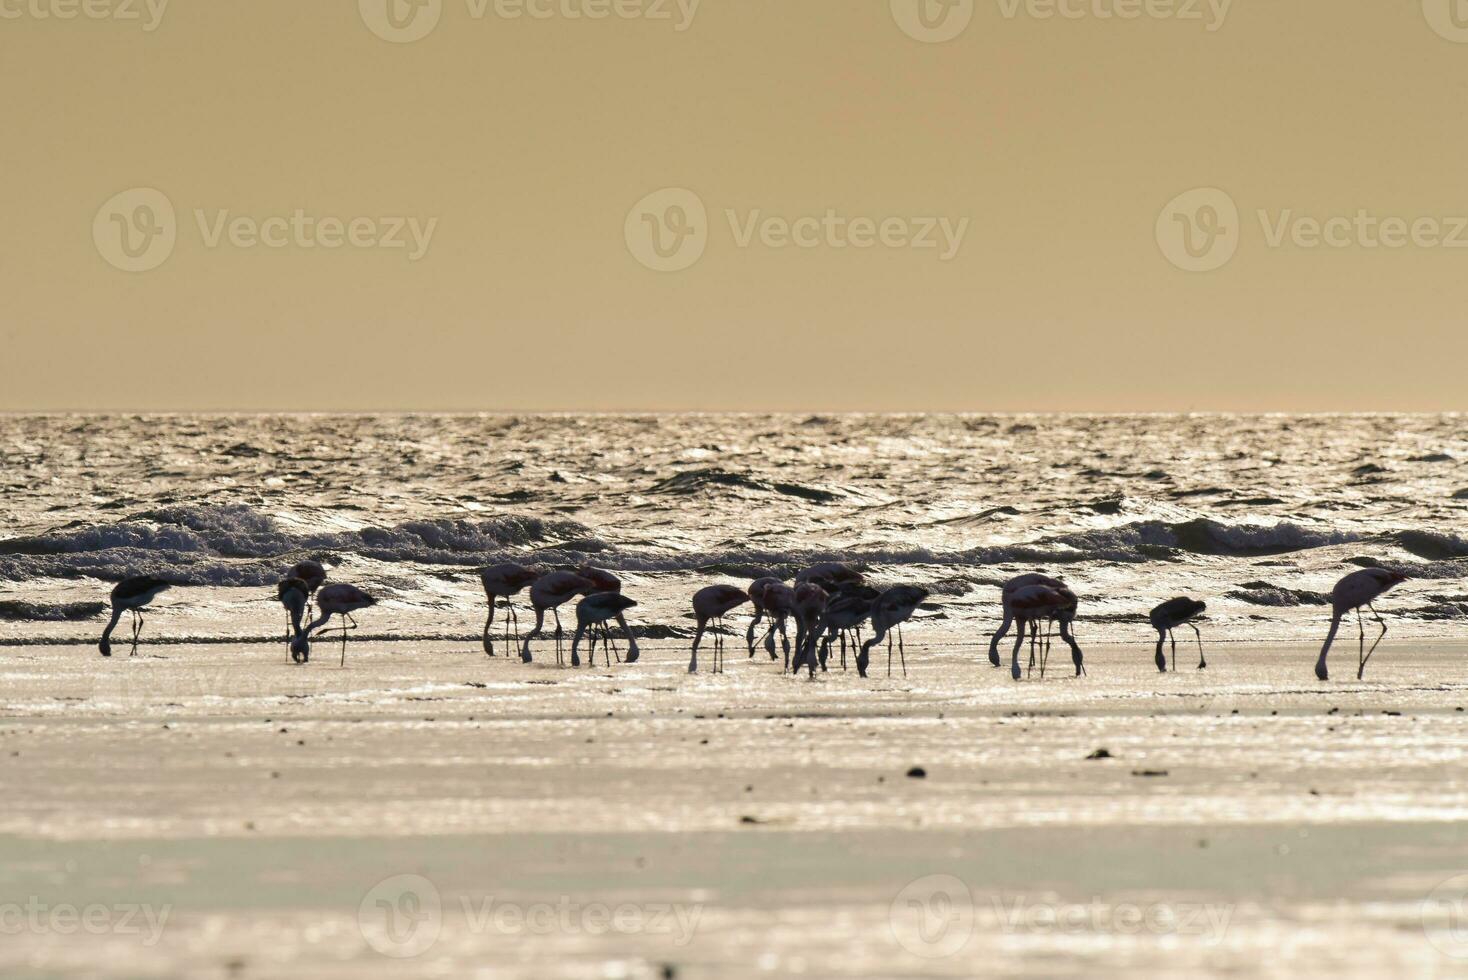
(466, 220)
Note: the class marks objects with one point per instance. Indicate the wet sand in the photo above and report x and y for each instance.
(219, 812)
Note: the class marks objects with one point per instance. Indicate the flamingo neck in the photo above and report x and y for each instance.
(111, 624)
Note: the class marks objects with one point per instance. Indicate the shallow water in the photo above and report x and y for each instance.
(471, 815)
(1259, 515)
(220, 812)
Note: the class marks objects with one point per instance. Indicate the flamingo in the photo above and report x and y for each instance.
(292, 593)
(845, 611)
(892, 608)
(1006, 594)
(830, 575)
(130, 595)
(1032, 603)
(810, 605)
(757, 597)
(333, 600)
(504, 581)
(595, 610)
(779, 602)
(310, 574)
(551, 591)
(712, 604)
(1168, 617)
(604, 581)
(1352, 592)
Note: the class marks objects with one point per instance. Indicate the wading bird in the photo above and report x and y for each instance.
(333, 600)
(845, 612)
(310, 574)
(779, 605)
(757, 598)
(551, 591)
(810, 605)
(829, 575)
(1034, 604)
(711, 605)
(594, 611)
(1006, 594)
(292, 593)
(892, 608)
(1352, 592)
(1168, 617)
(130, 595)
(503, 582)
(604, 581)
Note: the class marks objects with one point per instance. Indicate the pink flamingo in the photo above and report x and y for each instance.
(333, 600)
(1169, 616)
(551, 591)
(595, 610)
(810, 606)
(505, 581)
(1352, 592)
(892, 608)
(1006, 595)
(1032, 604)
(130, 595)
(757, 597)
(712, 604)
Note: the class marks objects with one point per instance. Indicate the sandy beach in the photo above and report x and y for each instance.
(211, 810)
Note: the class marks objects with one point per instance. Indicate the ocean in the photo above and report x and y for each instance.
(1256, 515)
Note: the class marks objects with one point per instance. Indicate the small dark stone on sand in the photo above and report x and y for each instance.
(1100, 754)
(750, 820)
(1149, 772)
(917, 772)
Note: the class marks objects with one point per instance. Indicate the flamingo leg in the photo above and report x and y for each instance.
(1367, 659)
(560, 634)
(693, 658)
(1202, 661)
(759, 614)
(901, 653)
(137, 629)
(539, 628)
(1019, 641)
(1361, 645)
(1171, 636)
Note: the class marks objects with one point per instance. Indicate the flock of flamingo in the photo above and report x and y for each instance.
(829, 603)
